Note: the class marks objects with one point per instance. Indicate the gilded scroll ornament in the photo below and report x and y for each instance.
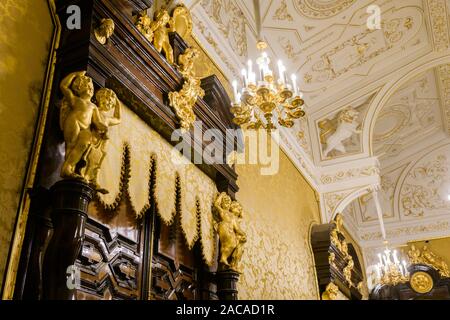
(331, 292)
(183, 101)
(181, 21)
(348, 269)
(104, 31)
(85, 126)
(427, 257)
(231, 236)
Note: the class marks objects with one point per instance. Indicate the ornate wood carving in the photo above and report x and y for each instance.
(331, 262)
(70, 201)
(110, 265)
(114, 266)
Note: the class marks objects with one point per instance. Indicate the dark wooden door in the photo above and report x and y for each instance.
(112, 261)
(127, 258)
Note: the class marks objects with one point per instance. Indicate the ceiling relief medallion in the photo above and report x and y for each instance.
(359, 50)
(335, 133)
(230, 21)
(322, 9)
(394, 119)
(427, 186)
(340, 133)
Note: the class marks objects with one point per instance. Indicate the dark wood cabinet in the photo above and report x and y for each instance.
(118, 255)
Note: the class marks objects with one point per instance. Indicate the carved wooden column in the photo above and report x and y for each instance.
(70, 201)
(40, 231)
(227, 284)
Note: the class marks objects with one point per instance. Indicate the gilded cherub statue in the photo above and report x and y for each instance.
(161, 30)
(157, 31)
(104, 31)
(77, 114)
(106, 101)
(231, 236)
(334, 132)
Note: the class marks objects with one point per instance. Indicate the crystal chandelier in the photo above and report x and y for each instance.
(263, 98)
(389, 269)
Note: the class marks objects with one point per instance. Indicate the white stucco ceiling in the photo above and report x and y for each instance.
(396, 78)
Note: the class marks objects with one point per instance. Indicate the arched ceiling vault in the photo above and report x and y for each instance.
(390, 81)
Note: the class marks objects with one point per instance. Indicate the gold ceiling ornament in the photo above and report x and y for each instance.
(421, 282)
(331, 292)
(183, 101)
(104, 31)
(427, 257)
(264, 98)
(85, 126)
(231, 237)
(157, 30)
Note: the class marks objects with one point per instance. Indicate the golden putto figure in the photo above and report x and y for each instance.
(157, 32)
(104, 31)
(107, 101)
(85, 126)
(231, 236)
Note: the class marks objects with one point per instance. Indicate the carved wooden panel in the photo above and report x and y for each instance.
(112, 255)
(174, 272)
(331, 261)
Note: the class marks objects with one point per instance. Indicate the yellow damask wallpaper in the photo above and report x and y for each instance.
(279, 211)
(26, 31)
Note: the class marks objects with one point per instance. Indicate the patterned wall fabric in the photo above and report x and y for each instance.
(147, 151)
(279, 211)
(27, 31)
